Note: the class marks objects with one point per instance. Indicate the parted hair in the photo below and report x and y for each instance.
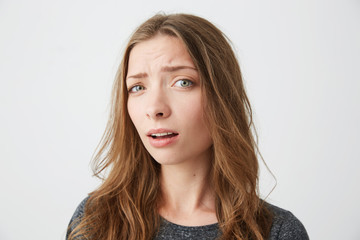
(125, 204)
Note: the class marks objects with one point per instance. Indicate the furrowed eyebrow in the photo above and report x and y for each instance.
(139, 75)
(163, 69)
(176, 68)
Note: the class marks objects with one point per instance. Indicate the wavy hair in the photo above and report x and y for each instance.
(125, 205)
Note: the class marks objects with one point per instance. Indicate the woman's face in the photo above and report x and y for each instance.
(165, 101)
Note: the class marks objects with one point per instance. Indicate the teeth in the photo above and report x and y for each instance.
(161, 134)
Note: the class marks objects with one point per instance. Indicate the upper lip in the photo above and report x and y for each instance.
(160, 130)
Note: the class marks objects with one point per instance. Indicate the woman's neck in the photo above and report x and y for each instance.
(186, 194)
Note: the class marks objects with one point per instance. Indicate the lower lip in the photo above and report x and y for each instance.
(162, 142)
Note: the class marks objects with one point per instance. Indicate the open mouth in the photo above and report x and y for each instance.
(163, 135)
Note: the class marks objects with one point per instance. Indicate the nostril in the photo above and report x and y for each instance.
(160, 114)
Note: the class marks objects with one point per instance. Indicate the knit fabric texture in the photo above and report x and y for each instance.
(285, 227)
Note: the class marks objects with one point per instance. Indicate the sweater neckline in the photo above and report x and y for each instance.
(212, 226)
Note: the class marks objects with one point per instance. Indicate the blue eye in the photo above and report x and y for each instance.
(136, 88)
(184, 83)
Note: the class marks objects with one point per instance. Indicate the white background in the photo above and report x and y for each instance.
(300, 60)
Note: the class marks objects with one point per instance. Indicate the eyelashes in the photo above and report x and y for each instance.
(136, 88)
(182, 83)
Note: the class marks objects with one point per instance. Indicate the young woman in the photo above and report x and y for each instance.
(179, 149)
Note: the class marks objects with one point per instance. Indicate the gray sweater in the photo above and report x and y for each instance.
(285, 227)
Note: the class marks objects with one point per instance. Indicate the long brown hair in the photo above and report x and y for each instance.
(125, 205)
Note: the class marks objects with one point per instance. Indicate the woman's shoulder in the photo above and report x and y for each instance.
(285, 225)
(77, 216)
(79, 212)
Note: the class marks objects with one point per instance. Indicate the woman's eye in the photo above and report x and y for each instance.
(184, 83)
(136, 88)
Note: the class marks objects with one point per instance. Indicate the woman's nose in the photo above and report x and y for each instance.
(157, 105)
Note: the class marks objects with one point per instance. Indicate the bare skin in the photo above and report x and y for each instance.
(165, 96)
(187, 197)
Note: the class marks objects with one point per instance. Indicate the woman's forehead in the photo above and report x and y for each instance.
(159, 52)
